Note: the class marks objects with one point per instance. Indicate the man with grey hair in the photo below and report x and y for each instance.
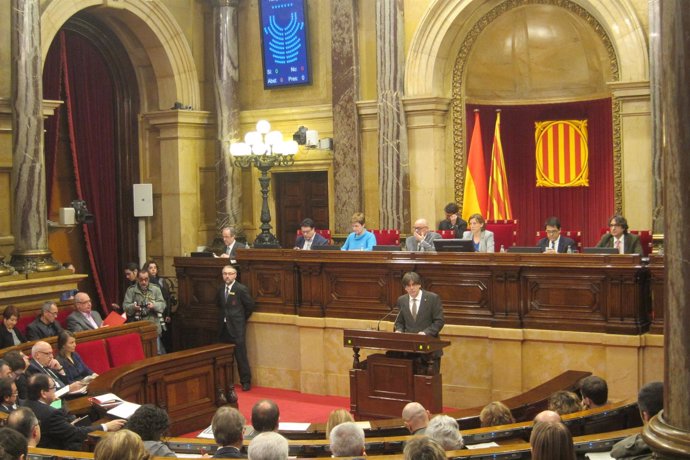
(230, 243)
(445, 430)
(24, 420)
(422, 239)
(45, 325)
(347, 440)
(415, 417)
(227, 426)
(268, 446)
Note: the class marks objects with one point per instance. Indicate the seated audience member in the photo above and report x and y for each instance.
(594, 392)
(13, 444)
(24, 420)
(230, 243)
(75, 368)
(483, 239)
(453, 221)
(8, 395)
(42, 362)
(360, 239)
(495, 413)
(415, 417)
(309, 238)
(123, 445)
(422, 239)
(547, 416)
(423, 448)
(18, 363)
(45, 325)
(227, 426)
(265, 417)
(551, 441)
(554, 242)
(268, 446)
(84, 318)
(347, 440)
(564, 402)
(650, 401)
(5, 369)
(57, 429)
(335, 418)
(150, 423)
(9, 334)
(619, 238)
(445, 431)
(144, 301)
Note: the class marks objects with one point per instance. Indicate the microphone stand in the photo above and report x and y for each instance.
(378, 325)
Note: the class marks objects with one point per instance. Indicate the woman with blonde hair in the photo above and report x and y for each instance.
(495, 413)
(551, 441)
(121, 445)
(482, 238)
(337, 417)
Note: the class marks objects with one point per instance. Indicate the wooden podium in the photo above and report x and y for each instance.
(384, 383)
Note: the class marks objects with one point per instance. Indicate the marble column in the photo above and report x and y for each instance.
(226, 87)
(669, 432)
(30, 219)
(394, 180)
(347, 164)
(655, 81)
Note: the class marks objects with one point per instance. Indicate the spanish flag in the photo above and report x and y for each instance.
(499, 197)
(475, 194)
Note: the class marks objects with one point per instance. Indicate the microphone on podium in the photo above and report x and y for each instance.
(378, 325)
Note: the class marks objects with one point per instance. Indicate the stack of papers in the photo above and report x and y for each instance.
(117, 406)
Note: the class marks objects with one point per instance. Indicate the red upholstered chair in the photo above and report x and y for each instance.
(387, 237)
(505, 232)
(94, 355)
(575, 235)
(63, 313)
(24, 321)
(446, 234)
(124, 349)
(645, 240)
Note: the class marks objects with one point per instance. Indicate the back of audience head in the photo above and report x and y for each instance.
(551, 441)
(265, 416)
(268, 446)
(547, 416)
(564, 402)
(149, 422)
(227, 425)
(16, 361)
(336, 417)
(347, 440)
(25, 422)
(423, 448)
(415, 417)
(14, 444)
(445, 431)
(650, 400)
(495, 413)
(38, 383)
(121, 445)
(5, 369)
(594, 391)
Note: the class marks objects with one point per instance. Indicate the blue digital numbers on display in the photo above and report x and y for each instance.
(284, 43)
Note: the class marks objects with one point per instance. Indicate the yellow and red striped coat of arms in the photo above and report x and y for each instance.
(562, 153)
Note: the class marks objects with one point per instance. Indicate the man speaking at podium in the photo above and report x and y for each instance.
(421, 311)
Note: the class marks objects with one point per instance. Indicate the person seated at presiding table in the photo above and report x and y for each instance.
(58, 430)
(422, 239)
(150, 423)
(554, 242)
(309, 238)
(84, 318)
(360, 239)
(619, 238)
(453, 221)
(45, 325)
(230, 243)
(347, 440)
(123, 445)
(8, 395)
(24, 420)
(227, 426)
(42, 362)
(75, 368)
(9, 334)
(483, 239)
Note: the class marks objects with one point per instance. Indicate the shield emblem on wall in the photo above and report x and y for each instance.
(562, 153)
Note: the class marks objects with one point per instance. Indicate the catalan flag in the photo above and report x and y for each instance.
(562, 153)
(499, 196)
(475, 193)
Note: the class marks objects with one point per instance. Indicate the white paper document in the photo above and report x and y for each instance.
(598, 455)
(483, 445)
(124, 410)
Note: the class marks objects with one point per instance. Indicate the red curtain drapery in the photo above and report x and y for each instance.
(579, 208)
(89, 110)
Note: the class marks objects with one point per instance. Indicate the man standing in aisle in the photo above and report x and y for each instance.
(144, 300)
(236, 306)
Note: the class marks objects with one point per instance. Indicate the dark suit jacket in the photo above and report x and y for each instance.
(76, 321)
(38, 330)
(563, 243)
(36, 368)
(228, 452)
(460, 226)
(631, 243)
(56, 430)
(236, 310)
(429, 315)
(76, 370)
(234, 249)
(318, 240)
(6, 336)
